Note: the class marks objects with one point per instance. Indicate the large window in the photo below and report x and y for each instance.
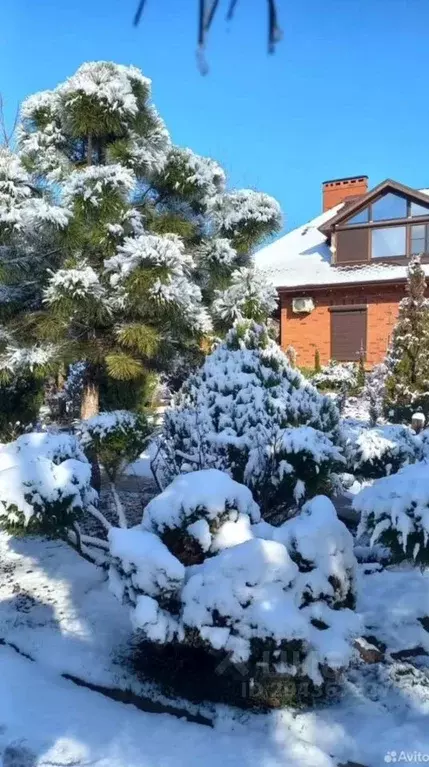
(389, 241)
(387, 208)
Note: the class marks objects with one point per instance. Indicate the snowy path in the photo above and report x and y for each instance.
(56, 607)
(56, 723)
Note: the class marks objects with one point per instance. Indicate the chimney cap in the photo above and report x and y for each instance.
(345, 179)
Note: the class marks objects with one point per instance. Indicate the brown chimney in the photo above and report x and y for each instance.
(339, 189)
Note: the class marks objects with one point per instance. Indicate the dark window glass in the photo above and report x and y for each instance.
(419, 210)
(418, 239)
(388, 241)
(360, 218)
(389, 206)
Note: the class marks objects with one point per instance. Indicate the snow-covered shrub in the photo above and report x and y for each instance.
(374, 391)
(296, 465)
(336, 376)
(267, 620)
(395, 512)
(238, 413)
(200, 513)
(45, 484)
(381, 450)
(117, 437)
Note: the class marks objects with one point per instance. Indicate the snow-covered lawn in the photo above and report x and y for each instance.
(56, 608)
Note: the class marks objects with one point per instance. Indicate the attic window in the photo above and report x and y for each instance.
(360, 218)
(389, 206)
(419, 210)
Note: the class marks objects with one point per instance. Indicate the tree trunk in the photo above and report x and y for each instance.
(90, 399)
(89, 150)
(89, 406)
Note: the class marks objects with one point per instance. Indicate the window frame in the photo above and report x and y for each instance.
(408, 222)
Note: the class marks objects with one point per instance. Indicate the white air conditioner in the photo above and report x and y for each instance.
(302, 305)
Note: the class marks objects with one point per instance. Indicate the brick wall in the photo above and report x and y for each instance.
(306, 332)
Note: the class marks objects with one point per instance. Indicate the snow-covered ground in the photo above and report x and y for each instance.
(56, 608)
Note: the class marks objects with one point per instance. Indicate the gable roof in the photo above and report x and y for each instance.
(362, 201)
(302, 258)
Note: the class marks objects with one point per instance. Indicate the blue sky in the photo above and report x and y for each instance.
(345, 94)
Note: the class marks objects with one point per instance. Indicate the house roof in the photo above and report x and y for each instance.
(362, 200)
(303, 258)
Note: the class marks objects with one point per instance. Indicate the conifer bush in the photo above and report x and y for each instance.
(379, 451)
(407, 380)
(45, 485)
(395, 513)
(240, 413)
(117, 437)
(232, 609)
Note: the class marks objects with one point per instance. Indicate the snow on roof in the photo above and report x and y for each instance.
(302, 257)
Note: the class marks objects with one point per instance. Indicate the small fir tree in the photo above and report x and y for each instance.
(144, 235)
(407, 381)
(249, 413)
(317, 365)
(361, 372)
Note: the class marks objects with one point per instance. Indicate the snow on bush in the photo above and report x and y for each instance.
(237, 414)
(249, 296)
(45, 484)
(395, 512)
(117, 437)
(336, 375)
(242, 212)
(200, 513)
(379, 451)
(198, 178)
(275, 606)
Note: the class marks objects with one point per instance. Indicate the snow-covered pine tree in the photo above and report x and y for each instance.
(407, 382)
(29, 226)
(247, 412)
(150, 231)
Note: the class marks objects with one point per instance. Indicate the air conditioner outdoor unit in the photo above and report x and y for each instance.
(302, 305)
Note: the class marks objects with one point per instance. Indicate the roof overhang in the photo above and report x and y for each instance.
(354, 207)
(397, 281)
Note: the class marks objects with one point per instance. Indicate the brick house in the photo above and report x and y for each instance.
(341, 276)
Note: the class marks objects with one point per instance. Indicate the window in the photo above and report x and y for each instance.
(360, 218)
(348, 332)
(419, 210)
(419, 239)
(389, 206)
(388, 241)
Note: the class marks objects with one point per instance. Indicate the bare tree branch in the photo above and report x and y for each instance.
(207, 10)
(6, 135)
